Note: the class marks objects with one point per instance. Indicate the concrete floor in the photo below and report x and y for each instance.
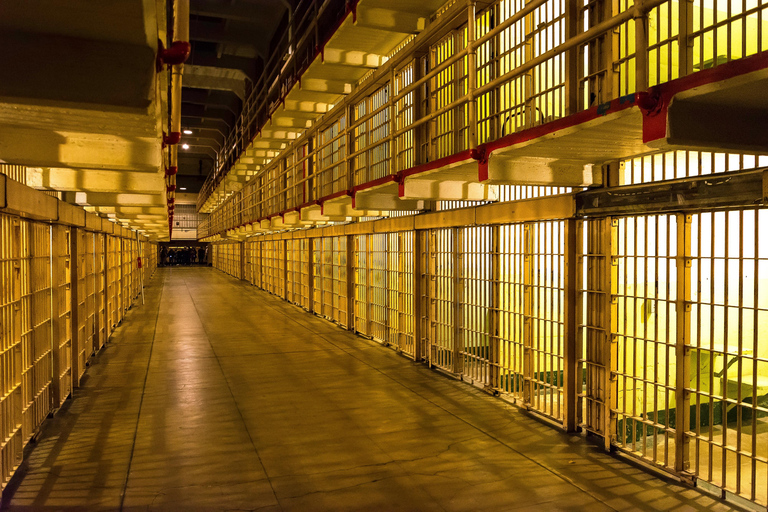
(217, 396)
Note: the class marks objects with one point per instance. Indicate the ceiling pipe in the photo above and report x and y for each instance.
(176, 56)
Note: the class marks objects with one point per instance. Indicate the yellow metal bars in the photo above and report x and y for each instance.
(51, 302)
(62, 327)
(35, 324)
(646, 336)
(728, 312)
(644, 329)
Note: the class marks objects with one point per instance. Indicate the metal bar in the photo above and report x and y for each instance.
(418, 305)
(641, 46)
(682, 343)
(457, 237)
(494, 328)
(571, 373)
(527, 316)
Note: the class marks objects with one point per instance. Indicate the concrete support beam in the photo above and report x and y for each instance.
(384, 201)
(542, 171)
(344, 57)
(314, 214)
(390, 20)
(94, 180)
(343, 208)
(43, 148)
(111, 198)
(436, 190)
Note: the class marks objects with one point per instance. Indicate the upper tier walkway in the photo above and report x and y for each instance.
(216, 396)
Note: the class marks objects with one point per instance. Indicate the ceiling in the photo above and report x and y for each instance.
(231, 39)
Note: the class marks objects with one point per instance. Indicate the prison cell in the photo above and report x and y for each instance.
(490, 304)
(52, 310)
(35, 320)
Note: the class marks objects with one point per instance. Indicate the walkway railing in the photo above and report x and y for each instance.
(299, 44)
(459, 86)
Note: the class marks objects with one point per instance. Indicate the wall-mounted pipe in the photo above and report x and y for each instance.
(182, 48)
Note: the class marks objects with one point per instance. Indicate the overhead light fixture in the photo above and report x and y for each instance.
(185, 146)
(183, 188)
(187, 132)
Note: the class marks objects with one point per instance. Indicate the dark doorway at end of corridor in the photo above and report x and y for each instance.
(184, 253)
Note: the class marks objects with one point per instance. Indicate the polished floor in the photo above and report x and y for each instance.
(216, 396)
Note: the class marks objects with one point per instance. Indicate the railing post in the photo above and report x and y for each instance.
(350, 145)
(393, 168)
(685, 44)
(641, 46)
(419, 133)
(571, 58)
(571, 373)
(471, 75)
(309, 185)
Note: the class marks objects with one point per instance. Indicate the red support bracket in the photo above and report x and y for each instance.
(178, 53)
(171, 139)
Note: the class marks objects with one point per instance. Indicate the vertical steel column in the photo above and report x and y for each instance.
(458, 299)
(284, 257)
(74, 264)
(431, 296)
(105, 267)
(682, 342)
(368, 281)
(418, 309)
(610, 320)
(98, 342)
(351, 253)
(471, 75)
(527, 316)
(241, 251)
(58, 324)
(494, 328)
(310, 274)
(572, 371)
